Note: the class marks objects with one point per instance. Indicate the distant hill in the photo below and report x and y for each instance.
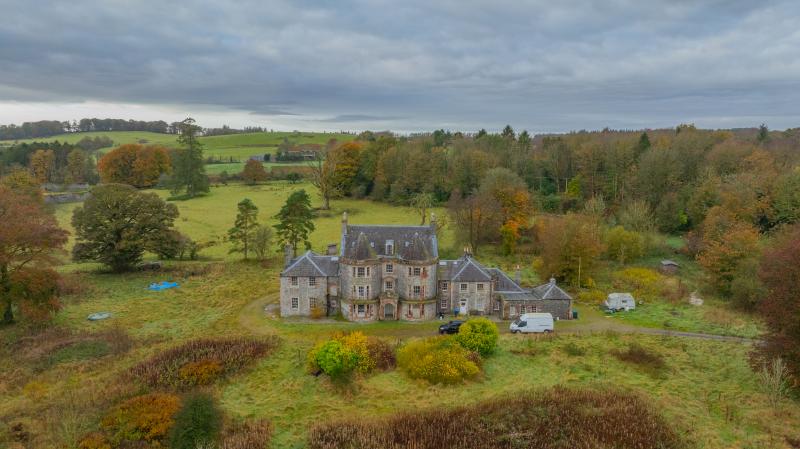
(233, 145)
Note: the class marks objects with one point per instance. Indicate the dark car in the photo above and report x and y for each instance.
(451, 327)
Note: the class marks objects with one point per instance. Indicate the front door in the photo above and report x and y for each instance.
(463, 307)
(388, 312)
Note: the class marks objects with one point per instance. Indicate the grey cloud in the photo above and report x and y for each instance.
(418, 64)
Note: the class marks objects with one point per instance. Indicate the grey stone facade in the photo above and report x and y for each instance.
(394, 273)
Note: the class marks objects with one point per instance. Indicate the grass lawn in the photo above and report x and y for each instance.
(707, 389)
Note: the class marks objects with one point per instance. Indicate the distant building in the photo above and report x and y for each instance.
(383, 272)
(669, 267)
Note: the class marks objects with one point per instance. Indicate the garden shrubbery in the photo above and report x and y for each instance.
(439, 360)
(201, 362)
(348, 353)
(147, 417)
(479, 335)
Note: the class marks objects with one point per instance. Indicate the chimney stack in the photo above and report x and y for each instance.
(517, 274)
(552, 281)
(344, 223)
(288, 255)
(331, 249)
(433, 222)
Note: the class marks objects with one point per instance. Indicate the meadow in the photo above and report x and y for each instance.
(705, 389)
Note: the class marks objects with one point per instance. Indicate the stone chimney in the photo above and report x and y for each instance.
(331, 249)
(344, 222)
(552, 281)
(517, 274)
(288, 255)
(433, 222)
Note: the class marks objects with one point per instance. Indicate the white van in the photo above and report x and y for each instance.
(532, 322)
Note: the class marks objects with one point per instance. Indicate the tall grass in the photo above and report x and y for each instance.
(179, 366)
(557, 418)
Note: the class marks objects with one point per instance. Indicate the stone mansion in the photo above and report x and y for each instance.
(383, 272)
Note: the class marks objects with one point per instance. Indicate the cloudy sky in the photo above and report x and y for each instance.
(407, 65)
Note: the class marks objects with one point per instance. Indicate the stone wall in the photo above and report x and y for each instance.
(405, 283)
(478, 302)
(303, 292)
(347, 281)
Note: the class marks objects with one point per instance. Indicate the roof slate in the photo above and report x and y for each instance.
(312, 264)
(409, 242)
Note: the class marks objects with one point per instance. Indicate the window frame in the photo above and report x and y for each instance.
(388, 285)
(312, 281)
(389, 268)
(445, 285)
(295, 303)
(417, 271)
(464, 287)
(294, 280)
(416, 291)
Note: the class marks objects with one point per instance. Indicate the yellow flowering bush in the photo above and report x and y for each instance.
(439, 360)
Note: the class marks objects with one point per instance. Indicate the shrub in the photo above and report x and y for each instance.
(774, 380)
(247, 435)
(94, 440)
(553, 418)
(333, 359)
(198, 422)
(148, 417)
(641, 356)
(478, 335)
(202, 372)
(592, 296)
(572, 349)
(201, 361)
(348, 353)
(439, 360)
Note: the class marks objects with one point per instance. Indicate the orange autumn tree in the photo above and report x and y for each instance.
(28, 238)
(253, 172)
(511, 195)
(42, 165)
(134, 164)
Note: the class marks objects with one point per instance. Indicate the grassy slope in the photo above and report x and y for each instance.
(237, 146)
(708, 390)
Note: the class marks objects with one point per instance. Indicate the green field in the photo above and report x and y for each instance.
(707, 390)
(237, 146)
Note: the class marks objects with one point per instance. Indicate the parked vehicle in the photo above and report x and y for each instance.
(451, 327)
(532, 322)
(619, 302)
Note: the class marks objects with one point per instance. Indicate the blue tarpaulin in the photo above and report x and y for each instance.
(163, 285)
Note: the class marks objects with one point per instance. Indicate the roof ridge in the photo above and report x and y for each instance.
(310, 259)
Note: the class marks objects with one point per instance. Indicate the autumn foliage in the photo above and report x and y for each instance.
(200, 362)
(28, 238)
(148, 418)
(134, 164)
(780, 307)
(254, 172)
(553, 418)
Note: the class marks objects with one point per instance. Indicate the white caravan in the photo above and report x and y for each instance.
(532, 322)
(619, 301)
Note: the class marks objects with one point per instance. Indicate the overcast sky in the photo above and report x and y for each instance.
(404, 65)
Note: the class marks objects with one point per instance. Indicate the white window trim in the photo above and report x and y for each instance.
(389, 268)
(445, 286)
(294, 281)
(464, 287)
(295, 303)
(312, 281)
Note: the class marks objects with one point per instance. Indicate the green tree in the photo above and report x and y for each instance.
(244, 228)
(508, 132)
(197, 423)
(422, 203)
(479, 335)
(295, 220)
(624, 245)
(189, 171)
(763, 133)
(117, 224)
(262, 242)
(76, 167)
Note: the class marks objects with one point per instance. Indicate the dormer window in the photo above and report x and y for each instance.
(390, 247)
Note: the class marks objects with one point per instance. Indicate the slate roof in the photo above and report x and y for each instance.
(463, 269)
(312, 264)
(550, 291)
(504, 283)
(361, 242)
